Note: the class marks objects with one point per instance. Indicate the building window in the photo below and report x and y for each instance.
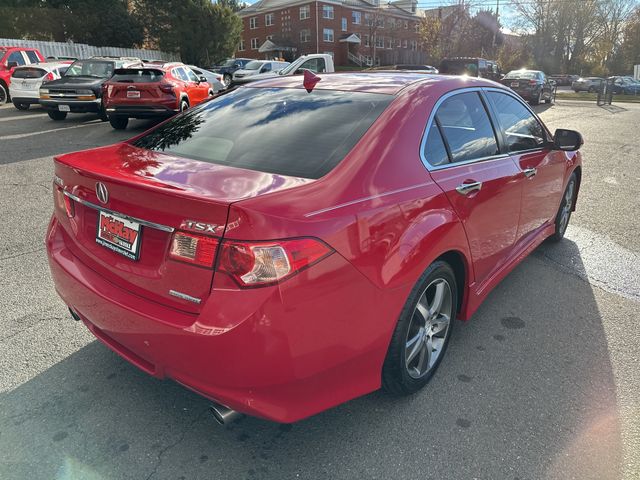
(379, 41)
(404, 43)
(366, 40)
(268, 19)
(367, 20)
(380, 22)
(305, 12)
(391, 22)
(327, 34)
(305, 35)
(406, 25)
(390, 43)
(414, 45)
(253, 23)
(356, 18)
(344, 24)
(241, 45)
(399, 43)
(416, 27)
(327, 11)
(254, 44)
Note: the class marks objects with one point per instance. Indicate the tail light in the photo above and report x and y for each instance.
(64, 203)
(256, 264)
(195, 249)
(166, 87)
(533, 82)
(48, 77)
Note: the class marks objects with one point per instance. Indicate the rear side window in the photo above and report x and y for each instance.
(466, 127)
(32, 56)
(137, 75)
(282, 131)
(434, 150)
(521, 129)
(28, 72)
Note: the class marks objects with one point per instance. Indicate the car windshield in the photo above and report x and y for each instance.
(282, 131)
(229, 63)
(289, 68)
(90, 68)
(523, 74)
(255, 65)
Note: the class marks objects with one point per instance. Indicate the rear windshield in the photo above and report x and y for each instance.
(282, 131)
(460, 67)
(90, 68)
(522, 75)
(29, 72)
(137, 75)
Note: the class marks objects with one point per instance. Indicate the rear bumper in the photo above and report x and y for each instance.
(75, 106)
(281, 353)
(142, 111)
(24, 96)
(27, 100)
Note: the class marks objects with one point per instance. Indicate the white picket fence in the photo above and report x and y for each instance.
(82, 50)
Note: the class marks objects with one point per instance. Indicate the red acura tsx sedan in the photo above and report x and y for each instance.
(293, 244)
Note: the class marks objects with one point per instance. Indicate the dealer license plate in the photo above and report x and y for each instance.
(64, 108)
(515, 84)
(133, 94)
(119, 235)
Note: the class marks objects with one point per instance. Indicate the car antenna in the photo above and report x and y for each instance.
(310, 80)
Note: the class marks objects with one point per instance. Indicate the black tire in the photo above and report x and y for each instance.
(102, 115)
(550, 99)
(226, 80)
(396, 377)
(56, 115)
(538, 99)
(119, 123)
(184, 105)
(567, 205)
(4, 95)
(21, 106)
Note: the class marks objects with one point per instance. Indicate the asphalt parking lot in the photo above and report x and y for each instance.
(542, 383)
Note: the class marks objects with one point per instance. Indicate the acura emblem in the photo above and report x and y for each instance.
(102, 192)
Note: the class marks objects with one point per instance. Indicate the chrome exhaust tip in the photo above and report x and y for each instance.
(74, 315)
(222, 414)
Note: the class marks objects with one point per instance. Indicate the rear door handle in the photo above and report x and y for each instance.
(467, 188)
(529, 172)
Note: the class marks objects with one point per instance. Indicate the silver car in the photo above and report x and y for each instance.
(587, 84)
(256, 67)
(213, 79)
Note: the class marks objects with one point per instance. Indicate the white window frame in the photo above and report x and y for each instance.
(305, 35)
(379, 43)
(253, 23)
(328, 32)
(241, 45)
(344, 24)
(305, 12)
(268, 19)
(356, 16)
(257, 46)
(328, 12)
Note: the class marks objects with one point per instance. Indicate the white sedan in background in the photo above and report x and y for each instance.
(26, 81)
(256, 67)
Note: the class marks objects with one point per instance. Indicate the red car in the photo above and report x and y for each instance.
(291, 245)
(10, 58)
(152, 91)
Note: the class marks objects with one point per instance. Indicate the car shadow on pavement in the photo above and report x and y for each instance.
(526, 391)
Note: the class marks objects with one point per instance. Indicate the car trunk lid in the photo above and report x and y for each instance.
(150, 198)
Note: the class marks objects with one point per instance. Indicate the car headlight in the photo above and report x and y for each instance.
(44, 91)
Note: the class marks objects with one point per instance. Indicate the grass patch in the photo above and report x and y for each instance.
(592, 97)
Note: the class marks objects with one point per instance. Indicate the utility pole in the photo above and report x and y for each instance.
(493, 43)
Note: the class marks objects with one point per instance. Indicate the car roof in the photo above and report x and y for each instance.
(50, 65)
(389, 83)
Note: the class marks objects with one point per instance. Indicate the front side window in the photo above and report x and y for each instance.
(466, 128)
(17, 58)
(190, 75)
(180, 74)
(327, 11)
(316, 65)
(279, 131)
(521, 129)
(305, 12)
(90, 68)
(327, 35)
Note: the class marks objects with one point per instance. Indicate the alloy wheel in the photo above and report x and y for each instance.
(428, 328)
(565, 212)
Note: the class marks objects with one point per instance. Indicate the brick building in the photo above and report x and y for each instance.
(355, 32)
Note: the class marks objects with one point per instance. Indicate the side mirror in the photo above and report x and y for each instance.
(202, 79)
(567, 140)
(12, 65)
